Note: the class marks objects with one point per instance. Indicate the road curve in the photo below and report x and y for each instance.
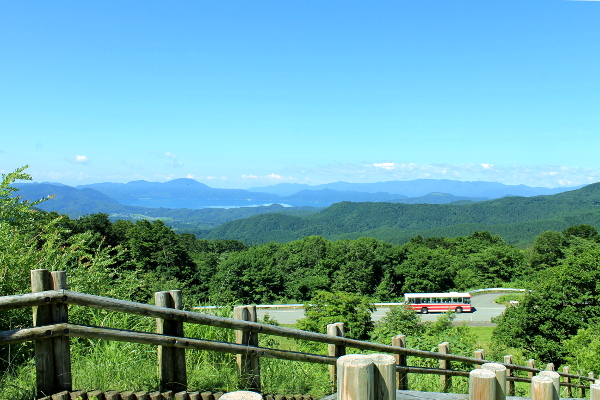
(484, 305)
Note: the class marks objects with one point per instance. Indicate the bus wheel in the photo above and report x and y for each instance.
(424, 310)
(458, 310)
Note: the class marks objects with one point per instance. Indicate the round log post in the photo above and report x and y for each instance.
(500, 371)
(178, 353)
(530, 364)
(595, 391)
(166, 354)
(336, 329)
(445, 380)
(62, 345)
(248, 364)
(384, 371)
(542, 388)
(45, 374)
(550, 367)
(482, 385)
(355, 377)
(568, 391)
(510, 385)
(242, 395)
(480, 355)
(555, 381)
(401, 377)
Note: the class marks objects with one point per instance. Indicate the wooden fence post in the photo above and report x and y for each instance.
(401, 377)
(582, 388)
(355, 376)
(179, 353)
(62, 345)
(555, 381)
(171, 362)
(594, 391)
(445, 380)
(510, 385)
(482, 385)
(550, 367)
(500, 371)
(567, 380)
(46, 384)
(366, 377)
(530, 364)
(480, 355)
(248, 364)
(336, 329)
(384, 383)
(542, 388)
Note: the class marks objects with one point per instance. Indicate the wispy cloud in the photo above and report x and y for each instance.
(531, 175)
(173, 159)
(270, 178)
(82, 160)
(59, 176)
(128, 165)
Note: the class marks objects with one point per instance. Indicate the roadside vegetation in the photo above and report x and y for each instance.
(556, 322)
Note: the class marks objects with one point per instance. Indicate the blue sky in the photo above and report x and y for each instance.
(252, 93)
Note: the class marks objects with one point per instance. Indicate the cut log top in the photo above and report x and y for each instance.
(242, 395)
(382, 359)
(354, 360)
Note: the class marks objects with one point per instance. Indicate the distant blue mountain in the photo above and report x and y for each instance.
(421, 187)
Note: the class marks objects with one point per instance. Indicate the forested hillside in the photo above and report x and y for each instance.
(517, 219)
(340, 278)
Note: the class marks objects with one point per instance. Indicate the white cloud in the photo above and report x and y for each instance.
(531, 175)
(387, 165)
(83, 160)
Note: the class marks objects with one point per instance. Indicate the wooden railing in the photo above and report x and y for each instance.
(51, 331)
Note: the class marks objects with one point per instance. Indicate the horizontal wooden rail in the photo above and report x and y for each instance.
(91, 332)
(147, 310)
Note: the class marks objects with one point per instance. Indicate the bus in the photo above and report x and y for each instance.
(439, 302)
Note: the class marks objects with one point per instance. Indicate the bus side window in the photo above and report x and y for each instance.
(447, 300)
(467, 300)
(456, 300)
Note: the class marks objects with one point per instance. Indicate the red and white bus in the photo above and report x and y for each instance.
(439, 302)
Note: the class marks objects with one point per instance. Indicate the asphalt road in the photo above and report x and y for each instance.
(485, 310)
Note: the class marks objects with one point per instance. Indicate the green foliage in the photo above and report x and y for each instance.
(328, 308)
(12, 209)
(565, 299)
(583, 349)
(399, 320)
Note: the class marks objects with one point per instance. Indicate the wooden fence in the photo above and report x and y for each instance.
(51, 331)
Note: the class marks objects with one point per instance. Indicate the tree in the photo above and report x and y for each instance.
(566, 298)
(584, 231)
(399, 320)
(153, 246)
(326, 308)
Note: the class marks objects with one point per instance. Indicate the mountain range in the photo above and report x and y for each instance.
(516, 219)
(256, 217)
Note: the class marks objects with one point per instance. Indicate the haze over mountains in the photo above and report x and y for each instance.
(189, 193)
(334, 212)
